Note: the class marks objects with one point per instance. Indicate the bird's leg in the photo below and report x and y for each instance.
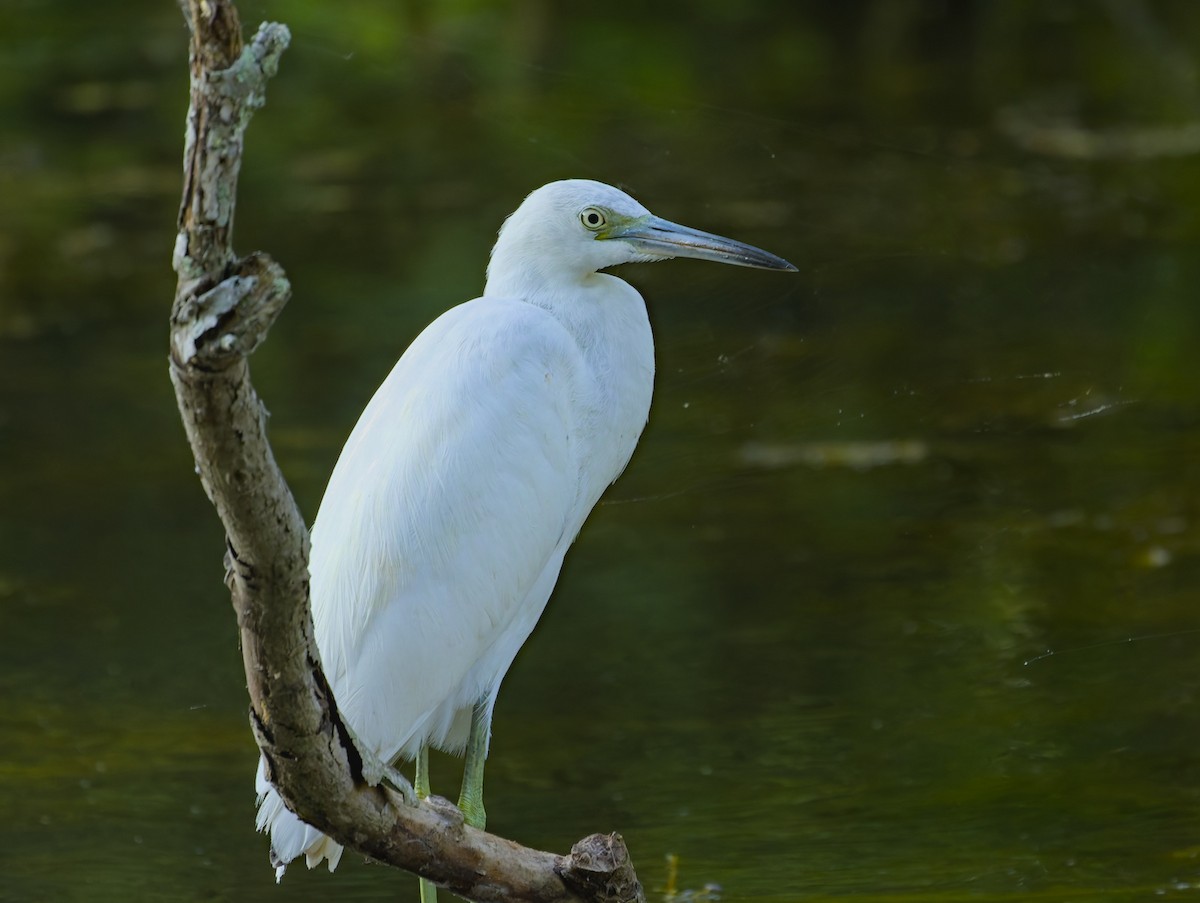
(471, 798)
(428, 890)
(376, 771)
(421, 785)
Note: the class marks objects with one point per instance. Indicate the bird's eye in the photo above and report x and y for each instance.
(593, 218)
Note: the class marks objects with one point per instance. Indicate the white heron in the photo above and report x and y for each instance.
(469, 474)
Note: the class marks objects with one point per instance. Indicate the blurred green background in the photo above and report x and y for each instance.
(791, 646)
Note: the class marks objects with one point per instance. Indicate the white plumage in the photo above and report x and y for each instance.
(472, 469)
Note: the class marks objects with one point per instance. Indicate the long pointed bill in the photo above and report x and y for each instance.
(662, 238)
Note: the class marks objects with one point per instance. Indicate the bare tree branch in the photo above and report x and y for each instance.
(223, 307)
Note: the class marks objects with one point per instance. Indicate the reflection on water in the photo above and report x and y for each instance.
(801, 645)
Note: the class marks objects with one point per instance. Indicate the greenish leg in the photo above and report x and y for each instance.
(471, 798)
(421, 785)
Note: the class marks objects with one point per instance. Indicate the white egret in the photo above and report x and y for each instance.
(469, 474)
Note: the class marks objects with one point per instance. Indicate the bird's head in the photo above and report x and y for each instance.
(572, 228)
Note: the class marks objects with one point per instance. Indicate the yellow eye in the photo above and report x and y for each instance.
(593, 218)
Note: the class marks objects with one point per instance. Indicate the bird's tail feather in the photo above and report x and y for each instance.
(289, 835)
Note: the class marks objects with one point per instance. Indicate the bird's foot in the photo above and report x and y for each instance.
(375, 771)
(398, 782)
(446, 809)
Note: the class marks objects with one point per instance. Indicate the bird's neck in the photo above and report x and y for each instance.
(593, 306)
(533, 278)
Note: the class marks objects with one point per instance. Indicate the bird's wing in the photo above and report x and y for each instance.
(451, 496)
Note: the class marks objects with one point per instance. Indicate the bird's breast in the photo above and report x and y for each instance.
(616, 346)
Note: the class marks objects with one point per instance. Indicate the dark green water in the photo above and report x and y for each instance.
(790, 648)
